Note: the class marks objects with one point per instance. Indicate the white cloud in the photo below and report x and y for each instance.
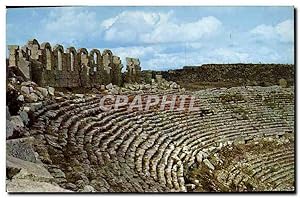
(135, 51)
(129, 26)
(195, 45)
(157, 57)
(69, 26)
(264, 30)
(155, 27)
(229, 55)
(283, 31)
(135, 18)
(165, 61)
(141, 52)
(286, 30)
(193, 31)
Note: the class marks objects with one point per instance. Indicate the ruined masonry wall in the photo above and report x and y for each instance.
(59, 67)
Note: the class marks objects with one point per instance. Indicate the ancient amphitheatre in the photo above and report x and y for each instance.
(59, 139)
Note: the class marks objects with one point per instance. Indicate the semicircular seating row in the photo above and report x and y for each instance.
(272, 170)
(156, 147)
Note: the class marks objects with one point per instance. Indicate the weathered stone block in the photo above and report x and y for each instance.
(21, 148)
(26, 185)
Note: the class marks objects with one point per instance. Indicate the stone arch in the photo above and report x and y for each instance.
(107, 51)
(83, 55)
(72, 57)
(83, 59)
(47, 55)
(59, 52)
(33, 42)
(34, 47)
(107, 60)
(97, 52)
(96, 59)
(82, 50)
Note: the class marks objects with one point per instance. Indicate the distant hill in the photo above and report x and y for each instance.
(230, 75)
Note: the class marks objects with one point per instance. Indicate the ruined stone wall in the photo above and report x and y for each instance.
(133, 70)
(233, 74)
(59, 67)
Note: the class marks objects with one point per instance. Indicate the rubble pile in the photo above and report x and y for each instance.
(24, 171)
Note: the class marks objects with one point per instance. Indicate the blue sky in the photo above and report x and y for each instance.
(163, 37)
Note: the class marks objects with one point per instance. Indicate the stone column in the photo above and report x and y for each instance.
(13, 55)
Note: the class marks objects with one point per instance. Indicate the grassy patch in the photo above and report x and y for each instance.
(235, 97)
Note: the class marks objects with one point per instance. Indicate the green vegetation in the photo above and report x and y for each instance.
(231, 97)
(282, 83)
(242, 112)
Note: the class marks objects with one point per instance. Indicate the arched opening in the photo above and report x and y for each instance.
(34, 47)
(72, 61)
(95, 58)
(84, 62)
(59, 59)
(106, 62)
(95, 62)
(48, 59)
(82, 54)
(83, 58)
